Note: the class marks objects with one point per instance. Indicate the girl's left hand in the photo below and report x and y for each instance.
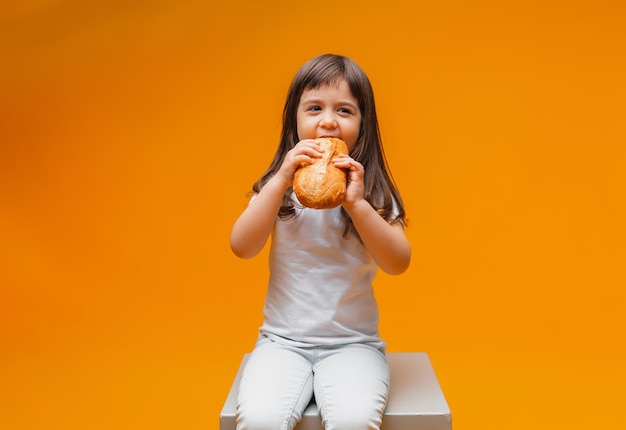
(356, 172)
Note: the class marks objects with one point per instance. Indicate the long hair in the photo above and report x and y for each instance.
(380, 189)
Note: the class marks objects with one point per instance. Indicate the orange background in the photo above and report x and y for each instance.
(131, 131)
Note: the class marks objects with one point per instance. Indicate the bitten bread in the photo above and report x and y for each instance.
(321, 185)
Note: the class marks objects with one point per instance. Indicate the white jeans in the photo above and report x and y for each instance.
(350, 384)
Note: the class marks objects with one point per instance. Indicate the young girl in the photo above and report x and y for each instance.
(319, 336)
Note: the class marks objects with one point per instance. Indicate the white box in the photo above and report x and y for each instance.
(415, 398)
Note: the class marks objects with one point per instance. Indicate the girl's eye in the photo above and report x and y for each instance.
(345, 110)
(315, 108)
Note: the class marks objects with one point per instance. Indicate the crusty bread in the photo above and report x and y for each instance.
(321, 185)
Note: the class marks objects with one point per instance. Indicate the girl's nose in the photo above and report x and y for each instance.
(328, 121)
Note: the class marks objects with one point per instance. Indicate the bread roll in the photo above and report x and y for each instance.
(321, 185)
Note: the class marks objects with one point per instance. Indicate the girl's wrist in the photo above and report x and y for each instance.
(279, 182)
(356, 207)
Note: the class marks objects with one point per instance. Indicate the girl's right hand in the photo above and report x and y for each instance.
(304, 153)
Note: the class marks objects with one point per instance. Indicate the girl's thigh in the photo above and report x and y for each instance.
(276, 386)
(351, 385)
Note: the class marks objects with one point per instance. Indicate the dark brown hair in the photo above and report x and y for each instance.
(380, 189)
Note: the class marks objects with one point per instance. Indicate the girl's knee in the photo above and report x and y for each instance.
(355, 419)
(261, 420)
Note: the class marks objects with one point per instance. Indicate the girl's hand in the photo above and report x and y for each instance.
(356, 172)
(304, 153)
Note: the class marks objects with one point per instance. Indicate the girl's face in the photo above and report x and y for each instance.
(329, 111)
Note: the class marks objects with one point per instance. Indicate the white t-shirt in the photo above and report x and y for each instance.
(320, 285)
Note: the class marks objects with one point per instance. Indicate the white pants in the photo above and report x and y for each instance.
(350, 384)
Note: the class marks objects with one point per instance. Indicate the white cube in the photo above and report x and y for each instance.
(415, 398)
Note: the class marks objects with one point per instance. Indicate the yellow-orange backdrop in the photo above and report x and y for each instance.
(131, 131)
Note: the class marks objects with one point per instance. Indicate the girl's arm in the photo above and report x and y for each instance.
(255, 224)
(386, 242)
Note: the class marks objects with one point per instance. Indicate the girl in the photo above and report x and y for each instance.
(319, 336)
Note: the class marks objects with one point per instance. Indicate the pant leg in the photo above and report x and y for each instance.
(276, 386)
(351, 384)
